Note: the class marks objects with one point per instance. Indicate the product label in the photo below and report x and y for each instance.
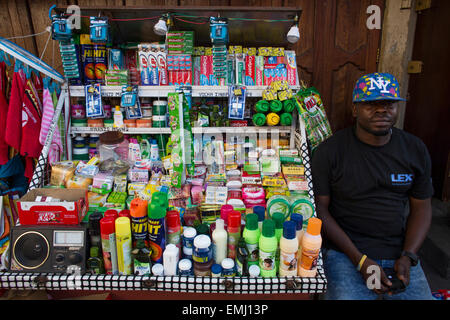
(139, 228)
(174, 238)
(288, 261)
(233, 239)
(142, 268)
(253, 250)
(267, 260)
(110, 253)
(156, 236)
(125, 264)
(309, 259)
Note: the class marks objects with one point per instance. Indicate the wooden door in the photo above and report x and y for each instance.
(428, 110)
(344, 50)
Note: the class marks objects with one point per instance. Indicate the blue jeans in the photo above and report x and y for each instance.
(346, 283)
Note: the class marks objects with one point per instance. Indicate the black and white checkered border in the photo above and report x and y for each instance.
(182, 284)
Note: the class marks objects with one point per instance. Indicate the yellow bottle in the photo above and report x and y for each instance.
(311, 243)
(123, 244)
(118, 118)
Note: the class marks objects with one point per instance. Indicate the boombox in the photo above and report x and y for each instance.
(52, 249)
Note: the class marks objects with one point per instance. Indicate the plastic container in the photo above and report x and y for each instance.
(80, 153)
(203, 269)
(95, 123)
(267, 249)
(288, 250)
(144, 123)
(159, 121)
(79, 123)
(108, 111)
(123, 239)
(311, 244)
(159, 108)
(202, 249)
(220, 242)
(118, 118)
(170, 259)
(254, 271)
(251, 235)
(260, 211)
(216, 270)
(113, 145)
(108, 123)
(187, 253)
(242, 255)
(130, 123)
(298, 219)
(158, 269)
(189, 234)
(78, 111)
(228, 267)
(278, 203)
(142, 261)
(224, 212)
(185, 267)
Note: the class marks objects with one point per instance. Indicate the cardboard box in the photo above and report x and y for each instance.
(71, 208)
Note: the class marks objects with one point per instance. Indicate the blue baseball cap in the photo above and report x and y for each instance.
(377, 87)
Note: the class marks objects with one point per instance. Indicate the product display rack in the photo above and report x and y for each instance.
(177, 284)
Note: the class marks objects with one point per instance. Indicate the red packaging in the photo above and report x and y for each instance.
(249, 70)
(162, 68)
(187, 75)
(204, 76)
(71, 207)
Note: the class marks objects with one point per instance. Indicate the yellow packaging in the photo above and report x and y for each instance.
(123, 243)
(293, 170)
(268, 181)
(136, 187)
(282, 95)
(61, 174)
(78, 182)
(264, 51)
(251, 51)
(269, 95)
(208, 51)
(97, 200)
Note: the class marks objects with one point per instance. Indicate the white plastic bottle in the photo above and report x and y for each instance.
(118, 118)
(220, 241)
(288, 250)
(311, 244)
(170, 260)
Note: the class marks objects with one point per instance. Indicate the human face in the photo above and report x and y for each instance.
(376, 117)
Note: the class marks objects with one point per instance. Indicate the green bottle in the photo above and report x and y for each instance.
(278, 218)
(267, 249)
(251, 235)
(95, 263)
(142, 259)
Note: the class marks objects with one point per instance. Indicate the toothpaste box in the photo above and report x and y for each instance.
(196, 71)
(240, 69)
(161, 58)
(259, 70)
(204, 71)
(249, 70)
(291, 67)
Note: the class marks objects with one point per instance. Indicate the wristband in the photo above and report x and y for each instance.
(361, 262)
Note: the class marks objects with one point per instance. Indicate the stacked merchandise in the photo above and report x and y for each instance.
(254, 214)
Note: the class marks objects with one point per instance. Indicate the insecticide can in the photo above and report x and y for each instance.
(123, 240)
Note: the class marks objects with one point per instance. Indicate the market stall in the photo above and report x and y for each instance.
(181, 124)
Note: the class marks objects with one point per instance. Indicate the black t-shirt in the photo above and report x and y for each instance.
(369, 187)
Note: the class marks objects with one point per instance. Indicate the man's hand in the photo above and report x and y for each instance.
(384, 281)
(401, 267)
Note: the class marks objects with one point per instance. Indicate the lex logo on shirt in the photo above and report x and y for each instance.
(401, 178)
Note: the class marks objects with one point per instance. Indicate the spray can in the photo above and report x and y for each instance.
(174, 228)
(123, 240)
(94, 229)
(234, 233)
(108, 236)
(156, 225)
(139, 219)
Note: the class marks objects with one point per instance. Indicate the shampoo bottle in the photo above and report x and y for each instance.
(288, 250)
(118, 118)
(251, 236)
(267, 249)
(220, 242)
(311, 244)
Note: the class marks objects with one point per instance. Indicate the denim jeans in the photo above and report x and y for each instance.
(346, 283)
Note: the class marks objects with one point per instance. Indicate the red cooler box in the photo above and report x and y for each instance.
(70, 207)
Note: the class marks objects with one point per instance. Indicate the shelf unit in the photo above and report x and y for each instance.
(162, 92)
(237, 285)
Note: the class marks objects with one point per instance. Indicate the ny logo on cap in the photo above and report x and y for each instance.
(380, 83)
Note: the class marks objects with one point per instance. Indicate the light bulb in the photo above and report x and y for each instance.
(294, 34)
(160, 28)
